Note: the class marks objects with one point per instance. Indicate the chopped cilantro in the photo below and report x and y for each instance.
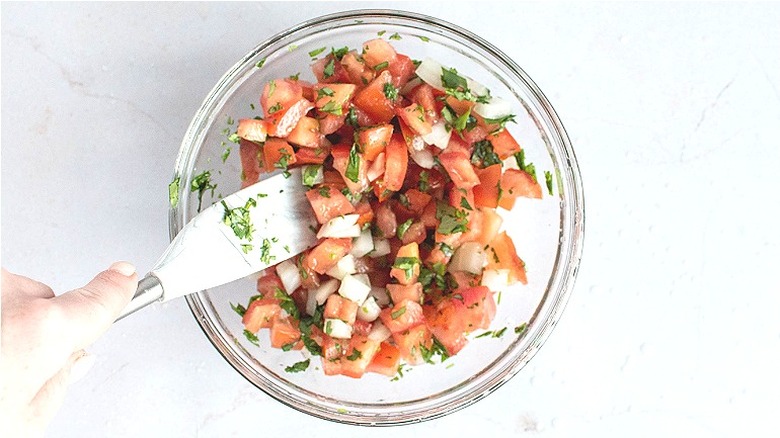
(501, 122)
(465, 204)
(406, 264)
(397, 313)
(483, 155)
(275, 108)
(333, 108)
(294, 77)
(325, 91)
(234, 137)
(435, 275)
(404, 227)
(238, 308)
(329, 69)
(436, 348)
(297, 367)
(404, 200)
(395, 36)
(288, 346)
(339, 53)
(390, 91)
(324, 191)
(251, 337)
(424, 39)
(423, 184)
(271, 88)
(452, 80)
(352, 118)
(548, 181)
(522, 328)
(265, 252)
(381, 65)
(355, 355)
(246, 247)
(381, 32)
(452, 220)
(310, 174)
(173, 191)
(200, 184)
(316, 52)
(238, 219)
(286, 303)
(499, 333)
(225, 154)
(261, 63)
(353, 165)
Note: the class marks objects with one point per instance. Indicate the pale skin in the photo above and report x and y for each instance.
(43, 338)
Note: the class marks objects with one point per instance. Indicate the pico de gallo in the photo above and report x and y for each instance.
(406, 163)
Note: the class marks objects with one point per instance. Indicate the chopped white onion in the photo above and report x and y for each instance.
(495, 279)
(377, 167)
(336, 328)
(476, 88)
(439, 136)
(379, 333)
(354, 289)
(430, 72)
(369, 310)
(380, 295)
(362, 244)
(423, 158)
(469, 257)
(381, 248)
(340, 226)
(411, 85)
(494, 109)
(325, 290)
(290, 275)
(311, 301)
(343, 267)
(363, 278)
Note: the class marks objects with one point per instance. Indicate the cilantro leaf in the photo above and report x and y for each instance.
(548, 181)
(316, 52)
(353, 165)
(483, 155)
(200, 184)
(251, 337)
(298, 366)
(329, 69)
(173, 191)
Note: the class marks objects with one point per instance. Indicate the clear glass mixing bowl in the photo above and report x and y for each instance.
(548, 233)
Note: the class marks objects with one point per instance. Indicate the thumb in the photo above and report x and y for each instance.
(90, 310)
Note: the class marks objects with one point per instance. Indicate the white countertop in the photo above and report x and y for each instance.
(673, 110)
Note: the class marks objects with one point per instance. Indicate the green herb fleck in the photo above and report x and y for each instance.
(238, 219)
(316, 52)
(251, 337)
(397, 313)
(339, 53)
(265, 252)
(406, 264)
(246, 247)
(548, 181)
(381, 32)
(390, 91)
(332, 107)
(238, 308)
(261, 63)
(352, 118)
(286, 303)
(329, 69)
(356, 354)
(424, 39)
(298, 366)
(483, 155)
(353, 165)
(275, 108)
(465, 204)
(173, 191)
(381, 65)
(452, 220)
(423, 183)
(225, 154)
(292, 47)
(325, 91)
(310, 174)
(395, 36)
(501, 122)
(200, 184)
(404, 227)
(271, 88)
(522, 328)
(324, 191)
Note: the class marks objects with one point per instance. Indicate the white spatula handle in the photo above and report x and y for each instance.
(149, 290)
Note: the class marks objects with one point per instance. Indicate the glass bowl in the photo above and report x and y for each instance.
(548, 233)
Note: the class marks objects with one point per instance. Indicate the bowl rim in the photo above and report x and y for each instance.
(571, 234)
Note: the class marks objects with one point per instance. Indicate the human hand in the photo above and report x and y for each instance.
(43, 339)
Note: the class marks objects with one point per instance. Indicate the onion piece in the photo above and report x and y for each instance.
(381, 248)
(354, 289)
(340, 226)
(290, 275)
(495, 279)
(325, 290)
(430, 72)
(377, 167)
(369, 310)
(336, 328)
(423, 158)
(469, 257)
(439, 136)
(379, 332)
(319, 176)
(311, 302)
(476, 88)
(494, 109)
(343, 267)
(362, 244)
(409, 86)
(363, 278)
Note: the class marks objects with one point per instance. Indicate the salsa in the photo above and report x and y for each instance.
(407, 163)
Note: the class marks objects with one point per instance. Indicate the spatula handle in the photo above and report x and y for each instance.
(149, 290)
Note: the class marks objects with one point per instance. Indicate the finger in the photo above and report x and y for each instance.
(90, 310)
(21, 284)
(49, 398)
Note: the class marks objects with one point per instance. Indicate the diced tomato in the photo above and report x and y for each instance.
(340, 308)
(327, 253)
(400, 292)
(411, 342)
(359, 355)
(329, 70)
(408, 254)
(475, 134)
(277, 154)
(516, 183)
(261, 314)
(363, 208)
(279, 96)
(417, 200)
(332, 350)
(428, 216)
(402, 316)
(250, 162)
(306, 133)
(330, 123)
(402, 69)
(284, 332)
(328, 203)
(378, 51)
(416, 118)
(486, 192)
(505, 252)
(333, 98)
(446, 322)
(415, 233)
(373, 101)
(459, 106)
(396, 162)
(341, 159)
(312, 156)
(480, 307)
(309, 278)
(504, 145)
(373, 140)
(385, 220)
(361, 328)
(491, 223)
(252, 130)
(280, 124)
(459, 169)
(423, 95)
(269, 283)
(386, 360)
(359, 73)
(380, 189)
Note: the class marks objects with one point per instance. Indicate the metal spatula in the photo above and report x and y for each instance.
(213, 248)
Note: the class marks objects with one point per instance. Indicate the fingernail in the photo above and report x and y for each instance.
(124, 268)
(81, 367)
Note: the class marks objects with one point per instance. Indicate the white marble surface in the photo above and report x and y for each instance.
(674, 111)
